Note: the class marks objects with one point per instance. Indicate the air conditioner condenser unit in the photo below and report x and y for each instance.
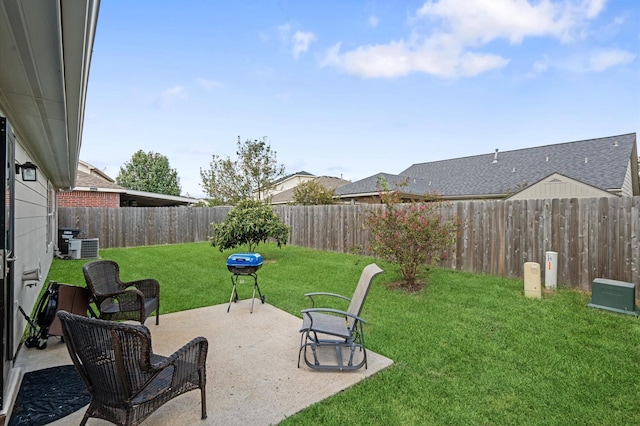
(89, 248)
(85, 248)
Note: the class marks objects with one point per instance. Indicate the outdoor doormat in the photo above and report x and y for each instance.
(47, 395)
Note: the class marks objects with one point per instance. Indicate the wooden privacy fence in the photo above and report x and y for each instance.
(141, 226)
(594, 238)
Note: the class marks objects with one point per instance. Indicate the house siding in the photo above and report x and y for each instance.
(88, 199)
(627, 185)
(289, 183)
(33, 245)
(558, 186)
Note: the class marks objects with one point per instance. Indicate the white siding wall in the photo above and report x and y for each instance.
(32, 248)
(292, 182)
(627, 185)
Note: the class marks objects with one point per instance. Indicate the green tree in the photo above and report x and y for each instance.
(223, 183)
(149, 172)
(249, 222)
(312, 193)
(251, 175)
(412, 235)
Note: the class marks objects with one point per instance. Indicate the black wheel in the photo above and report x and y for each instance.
(42, 344)
(31, 342)
(262, 299)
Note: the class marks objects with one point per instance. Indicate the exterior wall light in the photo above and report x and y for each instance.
(29, 171)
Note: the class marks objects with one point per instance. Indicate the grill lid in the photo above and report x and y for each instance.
(244, 263)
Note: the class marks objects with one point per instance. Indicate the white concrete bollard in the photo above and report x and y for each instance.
(532, 287)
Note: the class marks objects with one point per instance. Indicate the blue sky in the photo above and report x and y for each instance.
(353, 88)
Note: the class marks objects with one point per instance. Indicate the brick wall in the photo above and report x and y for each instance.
(88, 199)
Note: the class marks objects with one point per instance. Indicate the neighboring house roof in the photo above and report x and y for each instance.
(92, 182)
(289, 182)
(93, 171)
(293, 175)
(88, 182)
(603, 163)
(151, 199)
(328, 182)
(46, 52)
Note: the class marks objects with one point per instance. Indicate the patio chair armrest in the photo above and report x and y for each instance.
(150, 287)
(322, 293)
(117, 294)
(132, 298)
(194, 352)
(187, 360)
(332, 311)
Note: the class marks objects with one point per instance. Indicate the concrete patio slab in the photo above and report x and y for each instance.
(252, 374)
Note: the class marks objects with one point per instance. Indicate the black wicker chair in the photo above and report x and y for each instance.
(118, 300)
(126, 380)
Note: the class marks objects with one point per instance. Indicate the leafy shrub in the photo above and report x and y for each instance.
(312, 193)
(249, 222)
(410, 234)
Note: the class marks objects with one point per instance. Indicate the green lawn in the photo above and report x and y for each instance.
(468, 349)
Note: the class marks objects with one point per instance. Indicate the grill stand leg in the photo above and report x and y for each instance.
(234, 289)
(256, 286)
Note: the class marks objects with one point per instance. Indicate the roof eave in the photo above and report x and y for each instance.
(97, 189)
(43, 80)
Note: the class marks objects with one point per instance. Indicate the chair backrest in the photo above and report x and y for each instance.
(360, 294)
(111, 357)
(102, 276)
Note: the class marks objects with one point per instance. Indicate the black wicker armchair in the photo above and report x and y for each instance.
(118, 300)
(126, 380)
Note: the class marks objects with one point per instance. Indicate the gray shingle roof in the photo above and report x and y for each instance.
(601, 162)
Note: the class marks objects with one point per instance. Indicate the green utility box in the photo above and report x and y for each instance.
(612, 295)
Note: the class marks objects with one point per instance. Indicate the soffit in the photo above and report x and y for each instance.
(45, 51)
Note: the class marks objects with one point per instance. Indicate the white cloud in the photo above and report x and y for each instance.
(168, 96)
(207, 84)
(435, 56)
(539, 67)
(594, 7)
(481, 21)
(448, 35)
(601, 60)
(594, 61)
(471, 63)
(373, 21)
(299, 41)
